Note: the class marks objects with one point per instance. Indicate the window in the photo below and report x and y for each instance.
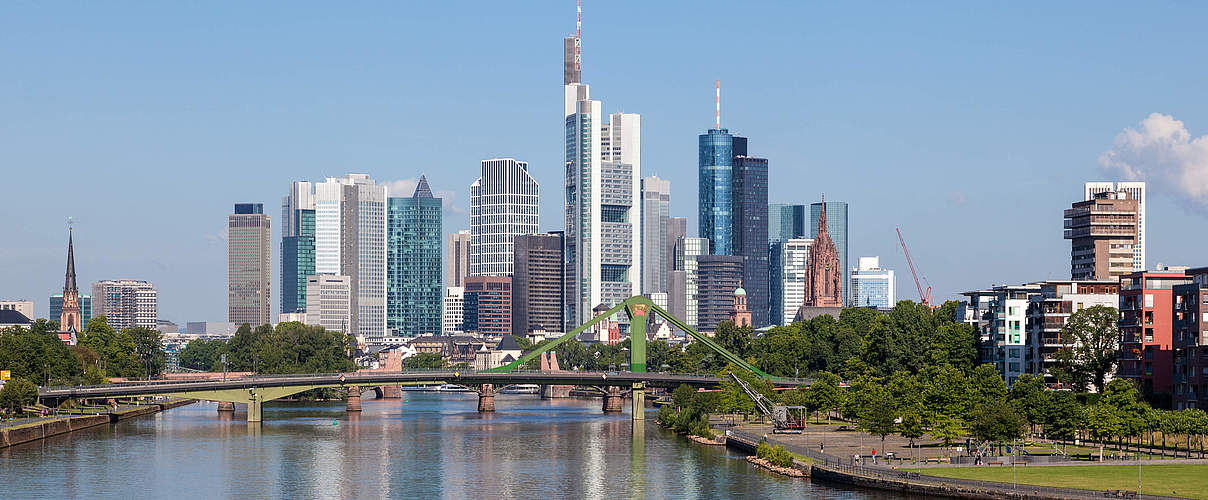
(1149, 300)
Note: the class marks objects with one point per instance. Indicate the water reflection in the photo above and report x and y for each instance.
(421, 446)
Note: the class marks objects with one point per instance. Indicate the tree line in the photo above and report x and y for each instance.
(290, 347)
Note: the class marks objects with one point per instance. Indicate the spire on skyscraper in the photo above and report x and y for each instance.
(421, 189)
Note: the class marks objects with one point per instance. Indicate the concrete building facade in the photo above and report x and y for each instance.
(537, 283)
(249, 265)
(126, 303)
(503, 205)
(457, 258)
(1103, 235)
(656, 211)
(1136, 191)
(329, 302)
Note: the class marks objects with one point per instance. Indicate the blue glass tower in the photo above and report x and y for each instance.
(750, 232)
(786, 222)
(836, 226)
(297, 261)
(413, 267)
(716, 156)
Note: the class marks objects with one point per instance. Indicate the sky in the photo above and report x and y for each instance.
(969, 125)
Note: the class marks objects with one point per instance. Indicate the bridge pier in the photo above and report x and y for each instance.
(354, 399)
(613, 400)
(226, 407)
(391, 392)
(254, 410)
(486, 398)
(639, 401)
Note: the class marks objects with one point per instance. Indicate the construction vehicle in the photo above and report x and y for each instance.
(785, 419)
(923, 296)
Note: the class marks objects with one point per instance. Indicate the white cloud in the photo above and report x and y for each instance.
(1162, 153)
(406, 187)
(401, 188)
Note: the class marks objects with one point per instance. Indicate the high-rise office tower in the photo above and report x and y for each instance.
(717, 278)
(487, 308)
(413, 291)
(717, 149)
(453, 314)
(329, 302)
(676, 228)
(603, 224)
(656, 210)
(329, 216)
(126, 303)
(457, 258)
(871, 285)
(787, 281)
(363, 252)
(297, 245)
(249, 265)
(537, 283)
(751, 233)
(786, 222)
(1136, 191)
(682, 297)
(503, 205)
(1103, 235)
(836, 229)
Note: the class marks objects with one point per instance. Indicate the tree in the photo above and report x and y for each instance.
(1029, 397)
(1103, 423)
(986, 386)
(946, 392)
(1124, 398)
(115, 349)
(682, 396)
(424, 361)
(18, 393)
(1064, 417)
(203, 355)
(37, 354)
(1089, 350)
(736, 339)
(954, 344)
(913, 426)
(996, 422)
(148, 349)
(825, 394)
(878, 417)
(948, 429)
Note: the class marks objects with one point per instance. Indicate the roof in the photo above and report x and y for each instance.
(421, 189)
(508, 344)
(739, 291)
(12, 317)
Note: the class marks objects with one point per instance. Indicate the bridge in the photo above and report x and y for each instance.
(254, 391)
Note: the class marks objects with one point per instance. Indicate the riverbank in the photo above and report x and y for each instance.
(41, 429)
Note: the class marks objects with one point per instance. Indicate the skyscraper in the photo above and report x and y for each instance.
(453, 315)
(717, 278)
(786, 222)
(413, 291)
(682, 298)
(126, 303)
(297, 245)
(836, 229)
(1136, 191)
(363, 252)
(249, 265)
(329, 302)
(787, 281)
(871, 285)
(676, 228)
(457, 260)
(751, 233)
(656, 210)
(537, 283)
(717, 149)
(503, 205)
(487, 309)
(603, 223)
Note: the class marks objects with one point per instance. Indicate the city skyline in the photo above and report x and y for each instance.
(1049, 156)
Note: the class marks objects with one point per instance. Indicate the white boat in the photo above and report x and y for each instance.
(522, 389)
(453, 388)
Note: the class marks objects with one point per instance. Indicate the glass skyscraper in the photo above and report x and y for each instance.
(750, 232)
(413, 268)
(56, 308)
(836, 226)
(297, 261)
(786, 222)
(503, 205)
(716, 176)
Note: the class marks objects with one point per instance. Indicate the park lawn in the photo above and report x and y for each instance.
(1171, 480)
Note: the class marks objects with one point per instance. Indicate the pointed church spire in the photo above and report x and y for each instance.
(822, 216)
(70, 282)
(421, 189)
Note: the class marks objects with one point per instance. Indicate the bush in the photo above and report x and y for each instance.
(17, 393)
(666, 416)
(776, 455)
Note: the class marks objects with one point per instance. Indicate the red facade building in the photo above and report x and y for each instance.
(1146, 329)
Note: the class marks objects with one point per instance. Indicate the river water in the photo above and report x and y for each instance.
(426, 445)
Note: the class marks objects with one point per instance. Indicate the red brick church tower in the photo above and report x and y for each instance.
(739, 314)
(69, 319)
(823, 276)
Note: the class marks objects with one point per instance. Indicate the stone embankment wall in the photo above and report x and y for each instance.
(33, 432)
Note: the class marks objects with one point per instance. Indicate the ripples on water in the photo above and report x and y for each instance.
(424, 446)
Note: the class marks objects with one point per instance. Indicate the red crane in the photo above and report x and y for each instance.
(924, 296)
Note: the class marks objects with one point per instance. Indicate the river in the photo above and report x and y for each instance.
(426, 445)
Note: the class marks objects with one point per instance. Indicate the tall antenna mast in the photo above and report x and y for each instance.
(578, 35)
(718, 119)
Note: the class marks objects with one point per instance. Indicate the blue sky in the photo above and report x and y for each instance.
(970, 125)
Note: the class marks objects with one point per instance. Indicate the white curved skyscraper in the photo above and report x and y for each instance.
(503, 205)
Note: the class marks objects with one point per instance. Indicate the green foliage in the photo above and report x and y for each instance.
(148, 350)
(776, 455)
(204, 355)
(424, 361)
(948, 429)
(116, 350)
(996, 422)
(1090, 347)
(954, 344)
(825, 394)
(1064, 417)
(17, 393)
(913, 425)
(1029, 397)
(37, 354)
(986, 386)
(1122, 396)
(683, 395)
(733, 398)
(877, 413)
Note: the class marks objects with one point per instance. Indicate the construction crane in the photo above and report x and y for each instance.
(924, 296)
(785, 419)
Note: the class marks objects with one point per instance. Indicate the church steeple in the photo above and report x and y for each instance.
(70, 282)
